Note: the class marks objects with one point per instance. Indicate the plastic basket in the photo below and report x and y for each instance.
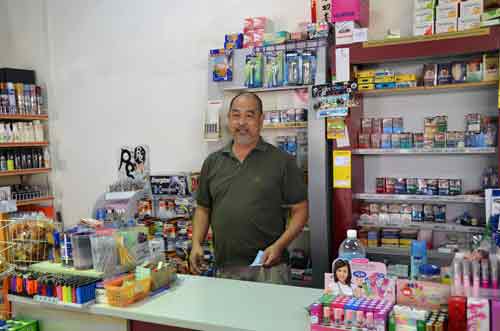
(119, 295)
(20, 325)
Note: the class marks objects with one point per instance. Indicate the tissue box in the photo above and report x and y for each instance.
(469, 23)
(424, 4)
(344, 32)
(423, 16)
(448, 11)
(471, 8)
(423, 29)
(351, 10)
(446, 25)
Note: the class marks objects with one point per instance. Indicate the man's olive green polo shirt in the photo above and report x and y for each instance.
(247, 199)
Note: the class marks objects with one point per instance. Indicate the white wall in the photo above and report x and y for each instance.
(127, 72)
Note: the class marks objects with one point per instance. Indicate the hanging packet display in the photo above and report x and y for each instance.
(308, 68)
(222, 65)
(274, 69)
(293, 72)
(254, 70)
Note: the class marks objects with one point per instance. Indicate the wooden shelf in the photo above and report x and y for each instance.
(29, 144)
(403, 251)
(42, 117)
(423, 151)
(434, 226)
(459, 199)
(295, 125)
(264, 89)
(439, 45)
(25, 172)
(430, 90)
(34, 201)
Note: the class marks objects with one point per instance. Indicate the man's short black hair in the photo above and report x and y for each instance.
(248, 94)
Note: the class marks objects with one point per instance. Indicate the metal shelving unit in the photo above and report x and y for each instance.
(430, 90)
(34, 201)
(374, 197)
(442, 227)
(24, 144)
(264, 89)
(403, 253)
(294, 125)
(423, 151)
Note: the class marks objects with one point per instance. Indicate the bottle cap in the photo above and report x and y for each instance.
(352, 234)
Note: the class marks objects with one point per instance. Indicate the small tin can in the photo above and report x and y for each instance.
(418, 140)
(385, 140)
(417, 213)
(421, 186)
(364, 140)
(428, 213)
(267, 117)
(460, 137)
(455, 186)
(375, 140)
(440, 140)
(444, 187)
(300, 115)
(439, 213)
(366, 125)
(406, 140)
(432, 186)
(380, 185)
(377, 125)
(396, 140)
(397, 125)
(390, 185)
(290, 115)
(400, 187)
(275, 116)
(411, 185)
(451, 139)
(284, 116)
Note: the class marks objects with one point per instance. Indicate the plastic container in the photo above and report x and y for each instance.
(351, 248)
(125, 290)
(82, 251)
(430, 273)
(418, 257)
(104, 253)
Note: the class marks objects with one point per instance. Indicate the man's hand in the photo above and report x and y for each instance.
(272, 255)
(195, 258)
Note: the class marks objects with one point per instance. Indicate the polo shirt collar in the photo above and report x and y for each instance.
(261, 146)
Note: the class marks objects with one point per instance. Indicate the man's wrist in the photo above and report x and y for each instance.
(196, 244)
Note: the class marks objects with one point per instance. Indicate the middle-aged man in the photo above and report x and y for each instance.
(245, 192)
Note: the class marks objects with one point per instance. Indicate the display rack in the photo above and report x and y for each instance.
(346, 202)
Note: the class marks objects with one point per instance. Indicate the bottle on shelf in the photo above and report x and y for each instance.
(418, 257)
(351, 247)
(46, 158)
(10, 161)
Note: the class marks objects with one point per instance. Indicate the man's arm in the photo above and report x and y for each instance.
(299, 215)
(201, 222)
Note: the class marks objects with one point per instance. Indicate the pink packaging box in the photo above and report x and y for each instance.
(351, 10)
(495, 314)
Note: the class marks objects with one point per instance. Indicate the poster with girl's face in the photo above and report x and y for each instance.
(360, 278)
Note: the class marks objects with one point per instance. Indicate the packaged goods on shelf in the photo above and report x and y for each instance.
(491, 15)
(424, 4)
(447, 11)
(474, 70)
(423, 29)
(254, 29)
(222, 64)
(233, 41)
(446, 25)
(469, 23)
(444, 187)
(351, 10)
(490, 67)
(20, 99)
(344, 32)
(276, 38)
(471, 8)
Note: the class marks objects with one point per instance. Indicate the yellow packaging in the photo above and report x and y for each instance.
(366, 87)
(386, 79)
(405, 242)
(388, 241)
(368, 80)
(405, 78)
(366, 74)
(490, 67)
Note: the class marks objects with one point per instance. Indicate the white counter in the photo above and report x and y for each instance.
(210, 304)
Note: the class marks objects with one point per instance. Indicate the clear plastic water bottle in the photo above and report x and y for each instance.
(351, 248)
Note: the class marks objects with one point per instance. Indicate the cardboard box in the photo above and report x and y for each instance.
(446, 25)
(447, 11)
(471, 8)
(448, 2)
(469, 23)
(490, 67)
(423, 16)
(491, 14)
(351, 10)
(423, 29)
(424, 4)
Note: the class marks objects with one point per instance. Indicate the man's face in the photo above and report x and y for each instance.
(245, 120)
